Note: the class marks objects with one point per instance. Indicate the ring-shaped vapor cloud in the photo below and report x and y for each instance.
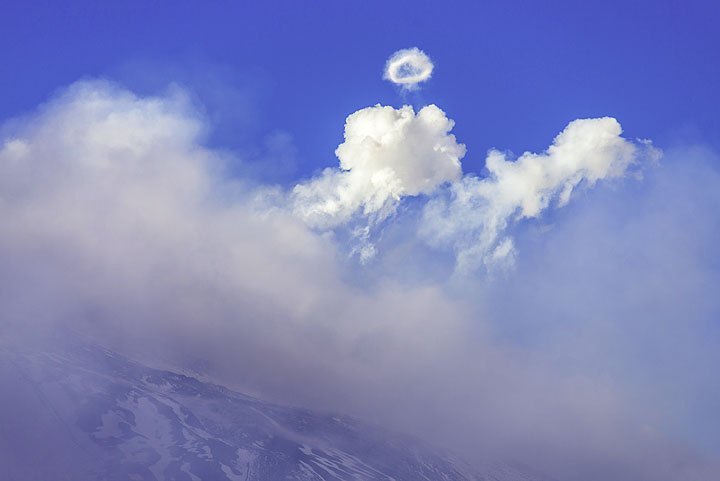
(408, 67)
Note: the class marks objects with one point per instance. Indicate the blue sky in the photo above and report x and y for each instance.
(511, 74)
(162, 190)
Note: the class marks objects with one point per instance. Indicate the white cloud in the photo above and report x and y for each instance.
(408, 68)
(118, 221)
(392, 153)
(115, 215)
(387, 154)
(474, 217)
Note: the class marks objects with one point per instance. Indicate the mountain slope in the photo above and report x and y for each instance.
(88, 413)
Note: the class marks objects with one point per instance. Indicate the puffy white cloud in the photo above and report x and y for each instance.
(473, 218)
(387, 154)
(392, 153)
(408, 68)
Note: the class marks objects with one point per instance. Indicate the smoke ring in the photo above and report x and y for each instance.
(408, 67)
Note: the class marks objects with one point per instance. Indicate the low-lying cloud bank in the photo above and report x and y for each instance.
(589, 359)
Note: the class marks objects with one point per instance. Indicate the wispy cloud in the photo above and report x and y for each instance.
(473, 217)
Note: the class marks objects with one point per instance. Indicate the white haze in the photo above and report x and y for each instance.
(118, 222)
